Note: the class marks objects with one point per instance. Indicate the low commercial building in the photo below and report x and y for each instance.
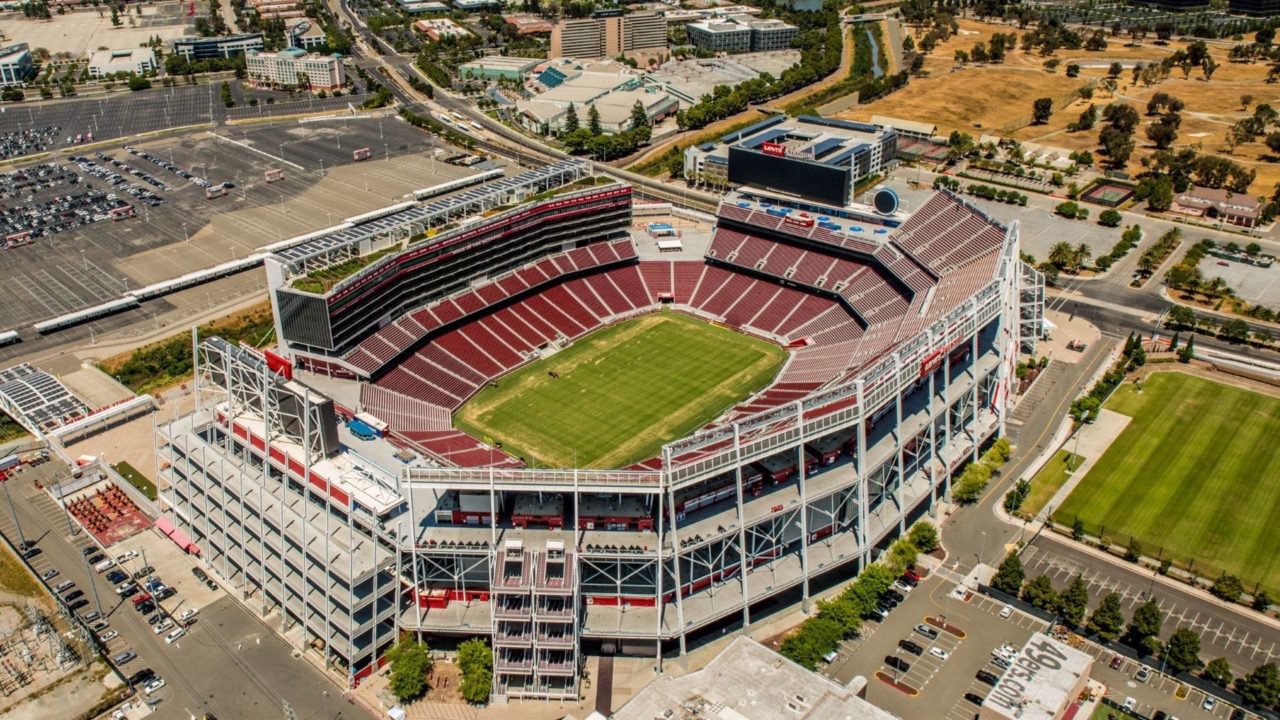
(1259, 8)
(526, 24)
(294, 67)
(684, 16)
(748, 681)
(16, 65)
(908, 128)
(614, 107)
(741, 33)
(1216, 204)
(302, 34)
(498, 67)
(278, 8)
(609, 35)
(204, 48)
(807, 156)
(109, 62)
(1046, 678)
(477, 5)
(440, 28)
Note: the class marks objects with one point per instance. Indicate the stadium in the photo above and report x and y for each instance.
(803, 392)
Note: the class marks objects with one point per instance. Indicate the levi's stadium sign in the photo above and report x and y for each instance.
(774, 149)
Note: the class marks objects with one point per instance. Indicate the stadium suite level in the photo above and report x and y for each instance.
(902, 349)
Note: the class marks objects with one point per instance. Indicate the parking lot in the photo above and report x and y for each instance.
(952, 687)
(226, 662)
(1245, 641)
(114, 116)
(91, 264)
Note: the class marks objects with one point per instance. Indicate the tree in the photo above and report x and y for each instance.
(639, 118)
(1008, 579)
(1182, 652)
(1228, 587)
(1062, 254)
(1261, 601)
(1235, 330)
(1245, 101)
(1042, 109)
(924, 535)
(475, 660)
(1107, 619)
(571, 119)
(1162, 134)
(1110, 218)
(1073, 70)
(1261, 687)
(1188, 353)
(593, 120)
(1145, 623)
(1040, 593)
(410, 665)
(1073, 601)
(1218, 671)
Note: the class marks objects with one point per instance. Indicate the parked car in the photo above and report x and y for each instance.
(212, 585)
(200, 574)
(32, 553)
(1130, 703)
(124, 658)
(91, 616)
(146, 608)
(910, 647)
(927, 631)
(974, 698)
(100, 626)
(908, 580)
(141, 676)
(1143, 674)
(1006, 611)
(894, 661)
(172, 637)
(939, 653)
(126, 556)
(163, 628)
(64, 586)
(154, 686)
(95, 559)
(986, 677)
(166, 593)
(109, 636)
(104, 566)
(49, 574)
(145, 571)
(117, 576)
(1209, 703)
(72, 595)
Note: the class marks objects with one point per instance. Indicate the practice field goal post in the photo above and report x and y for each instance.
(273, 175)
(361, 154)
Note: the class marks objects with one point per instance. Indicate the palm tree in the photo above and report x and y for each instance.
(1082, 254)
(1062, 255)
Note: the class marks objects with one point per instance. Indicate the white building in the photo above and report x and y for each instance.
(1046, 677)
(741, 33)
(439, 28)
(294, 67)
(109, 62)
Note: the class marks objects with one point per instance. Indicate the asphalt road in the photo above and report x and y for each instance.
(229, 663)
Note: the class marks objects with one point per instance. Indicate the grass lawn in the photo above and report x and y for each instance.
(1192, 477)
(622, 392)
(14, 576)
(1106, 712)
(136, 479)
(1046, 482)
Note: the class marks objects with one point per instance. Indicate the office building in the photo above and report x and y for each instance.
(203, 48)
(608, 35)
(741, 33)
(138, 61)
(16, 65)
(294, 67)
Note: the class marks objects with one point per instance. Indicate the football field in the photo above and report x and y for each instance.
(615, 396)
(1192, 477)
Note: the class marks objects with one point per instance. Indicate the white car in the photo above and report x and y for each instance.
(1006, 611)
(901, 587)
(172, 637)
(109, 636)
(126, 556)
(1130, 703)
(154, 685)
(163, 627)
(188, 614)
(939, 653)
(1209, 702)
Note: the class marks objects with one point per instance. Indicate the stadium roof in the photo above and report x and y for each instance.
(37, 399)
(418, 213)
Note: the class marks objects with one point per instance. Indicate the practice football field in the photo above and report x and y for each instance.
(622, 392)
(1194, 475)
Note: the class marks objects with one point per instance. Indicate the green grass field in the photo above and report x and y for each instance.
(623, 391)
(1192, 476)
(1046, 482)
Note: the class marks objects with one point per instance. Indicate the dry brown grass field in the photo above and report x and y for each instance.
(996, 99)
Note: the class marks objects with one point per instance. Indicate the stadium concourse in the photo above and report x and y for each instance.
(901, 343)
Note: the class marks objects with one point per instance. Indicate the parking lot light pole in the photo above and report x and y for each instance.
(22, 538)
(92, 585)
